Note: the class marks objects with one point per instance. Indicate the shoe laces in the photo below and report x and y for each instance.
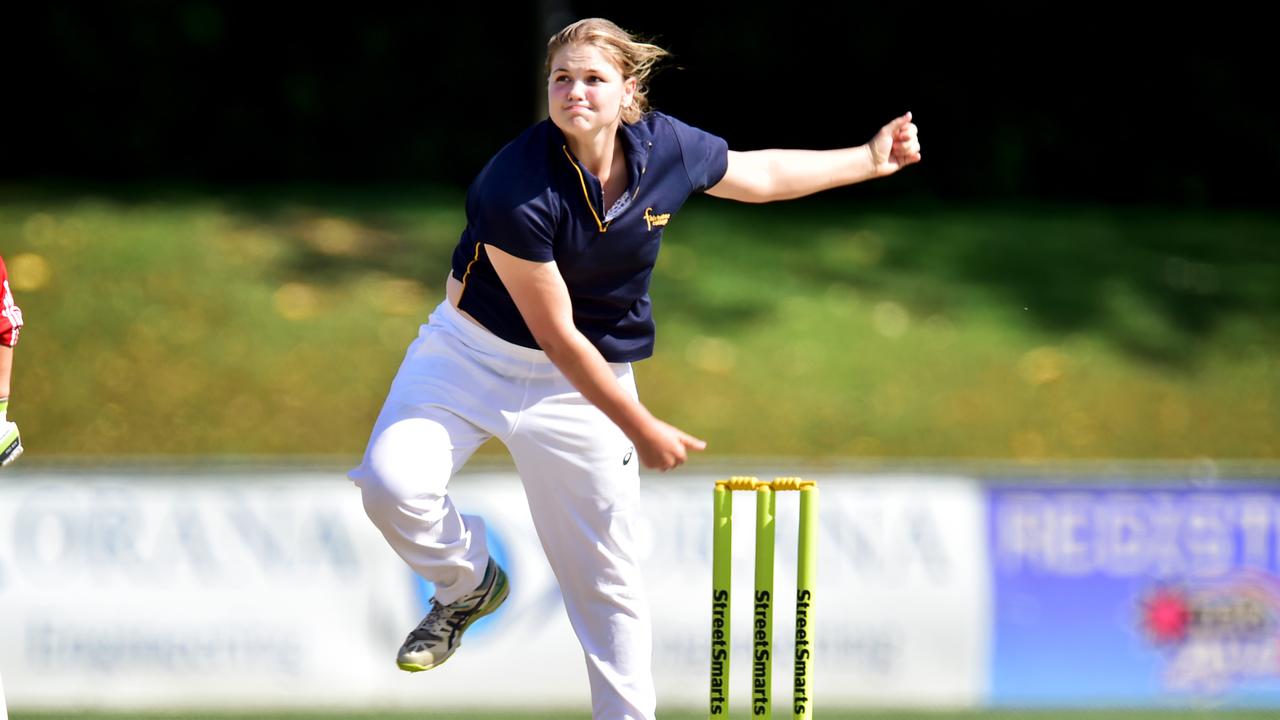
(452, 616)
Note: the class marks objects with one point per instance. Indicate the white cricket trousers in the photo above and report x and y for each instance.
(460, 385)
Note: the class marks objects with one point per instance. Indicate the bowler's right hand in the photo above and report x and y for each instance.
(665, 447)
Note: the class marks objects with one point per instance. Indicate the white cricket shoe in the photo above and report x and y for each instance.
(440, 632)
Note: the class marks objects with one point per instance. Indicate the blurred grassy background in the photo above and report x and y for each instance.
(270, 322)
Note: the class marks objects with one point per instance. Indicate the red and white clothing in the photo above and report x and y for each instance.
(10, 315)
(10, 321)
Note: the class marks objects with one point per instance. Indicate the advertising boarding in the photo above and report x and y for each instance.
(1143, 595)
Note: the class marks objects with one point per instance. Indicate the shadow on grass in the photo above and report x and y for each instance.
(1152, 283)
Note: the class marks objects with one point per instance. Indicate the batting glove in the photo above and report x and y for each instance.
(10, 443)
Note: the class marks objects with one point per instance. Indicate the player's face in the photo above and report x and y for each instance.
(586, 91)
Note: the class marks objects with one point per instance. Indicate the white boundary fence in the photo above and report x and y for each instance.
(263, 588)
(273, 589)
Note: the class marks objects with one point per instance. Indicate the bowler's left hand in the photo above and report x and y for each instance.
(896, 146)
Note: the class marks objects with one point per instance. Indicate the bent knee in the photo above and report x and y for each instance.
(408, 464)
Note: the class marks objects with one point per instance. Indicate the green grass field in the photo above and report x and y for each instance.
(823, 715)
(270, 323)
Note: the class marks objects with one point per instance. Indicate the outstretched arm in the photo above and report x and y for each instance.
(763, 176)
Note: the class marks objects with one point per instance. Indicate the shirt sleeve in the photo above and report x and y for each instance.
(524, 228)
(706, 156)
(10, 315)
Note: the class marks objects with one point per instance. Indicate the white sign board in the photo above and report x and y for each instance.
(231, 590)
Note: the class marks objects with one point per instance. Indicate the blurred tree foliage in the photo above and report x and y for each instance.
(1055, 103)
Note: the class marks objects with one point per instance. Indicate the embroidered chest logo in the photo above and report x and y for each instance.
(655, 220)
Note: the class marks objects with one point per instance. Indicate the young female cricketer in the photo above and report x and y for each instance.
(547, 306)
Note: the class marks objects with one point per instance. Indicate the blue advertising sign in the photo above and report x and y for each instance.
(1135, 596)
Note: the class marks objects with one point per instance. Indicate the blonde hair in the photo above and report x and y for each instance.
(635, 59)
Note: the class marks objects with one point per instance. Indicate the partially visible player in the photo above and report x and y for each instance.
(10, 440)
(10, 322)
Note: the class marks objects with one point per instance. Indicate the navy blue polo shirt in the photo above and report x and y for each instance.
(535, 201)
